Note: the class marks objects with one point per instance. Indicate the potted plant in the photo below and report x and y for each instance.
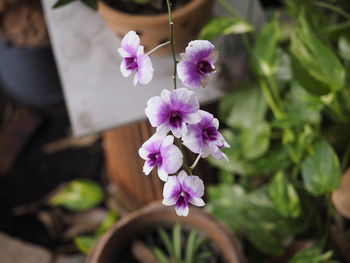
(150, 19)
(118, 242)
(27, 67)
(288, 128)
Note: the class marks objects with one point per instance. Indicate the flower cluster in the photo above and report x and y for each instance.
(177, 117)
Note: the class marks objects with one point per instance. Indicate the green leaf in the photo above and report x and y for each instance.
(60, 3)
(254, 215)
(79, 195)
(90, 3)
(315, 66)
(301, 108)
(177, 242)
(320, 169)
(166, 241)
(284, 196)
(311, 255)
(107, 223)
(344, 47)
(296, 142)
(159, 254)
(220, 26)
(189, 254)
(255, 141)
(265, 53)
(85, 243)
(243, 108)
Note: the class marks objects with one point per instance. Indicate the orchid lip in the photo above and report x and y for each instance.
(210, 134)
(154, 159)
(204, 67)
(175, 119)
(131, 63)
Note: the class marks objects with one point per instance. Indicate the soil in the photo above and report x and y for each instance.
(128, 6)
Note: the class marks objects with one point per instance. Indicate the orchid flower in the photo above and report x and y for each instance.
(172, 111)
(197, 63)
(134, 59)
(181, 190)
(204, 138)
(160, 152)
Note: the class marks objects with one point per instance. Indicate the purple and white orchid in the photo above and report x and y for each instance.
(197, 63)
(160, 152)
(172, 111)
(181, 190)
(204, 137)
(134, 59)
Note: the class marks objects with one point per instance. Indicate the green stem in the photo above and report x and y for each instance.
(332, 8)
(171, 40)
(275, 92)
(270, 100)
(225, 4)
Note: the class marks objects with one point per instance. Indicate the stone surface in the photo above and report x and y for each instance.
(15, 251)
(97, 96)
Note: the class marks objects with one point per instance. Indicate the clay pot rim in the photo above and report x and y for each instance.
(151, 19)
(157, 207)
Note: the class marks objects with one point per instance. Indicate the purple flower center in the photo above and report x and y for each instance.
(210, 134)
(154, 159)
(182, 201)
(131, 63)
(175, 119)
(204, 67)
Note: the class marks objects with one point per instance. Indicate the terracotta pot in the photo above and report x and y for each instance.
(154, 29)
(112, 244)
(341, 196)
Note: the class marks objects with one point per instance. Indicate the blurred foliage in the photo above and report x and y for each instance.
(180, 246)
(78, 195)
(289, 129)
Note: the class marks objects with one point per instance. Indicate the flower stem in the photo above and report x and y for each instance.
(158, 47)
(196, 161)
(171, 40)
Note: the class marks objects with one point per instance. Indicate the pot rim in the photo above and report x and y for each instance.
(197, 215)
(150, 19)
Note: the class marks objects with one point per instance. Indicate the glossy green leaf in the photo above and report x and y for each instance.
(85, 243)
(254, 215)
(315, 66)
(255, 141)
(320, 169)
(311, 255)
(79, 195)
(243, 108)
(301, 107)
(220, 26)
(284, 196)
(107, 223)
(265, 54)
